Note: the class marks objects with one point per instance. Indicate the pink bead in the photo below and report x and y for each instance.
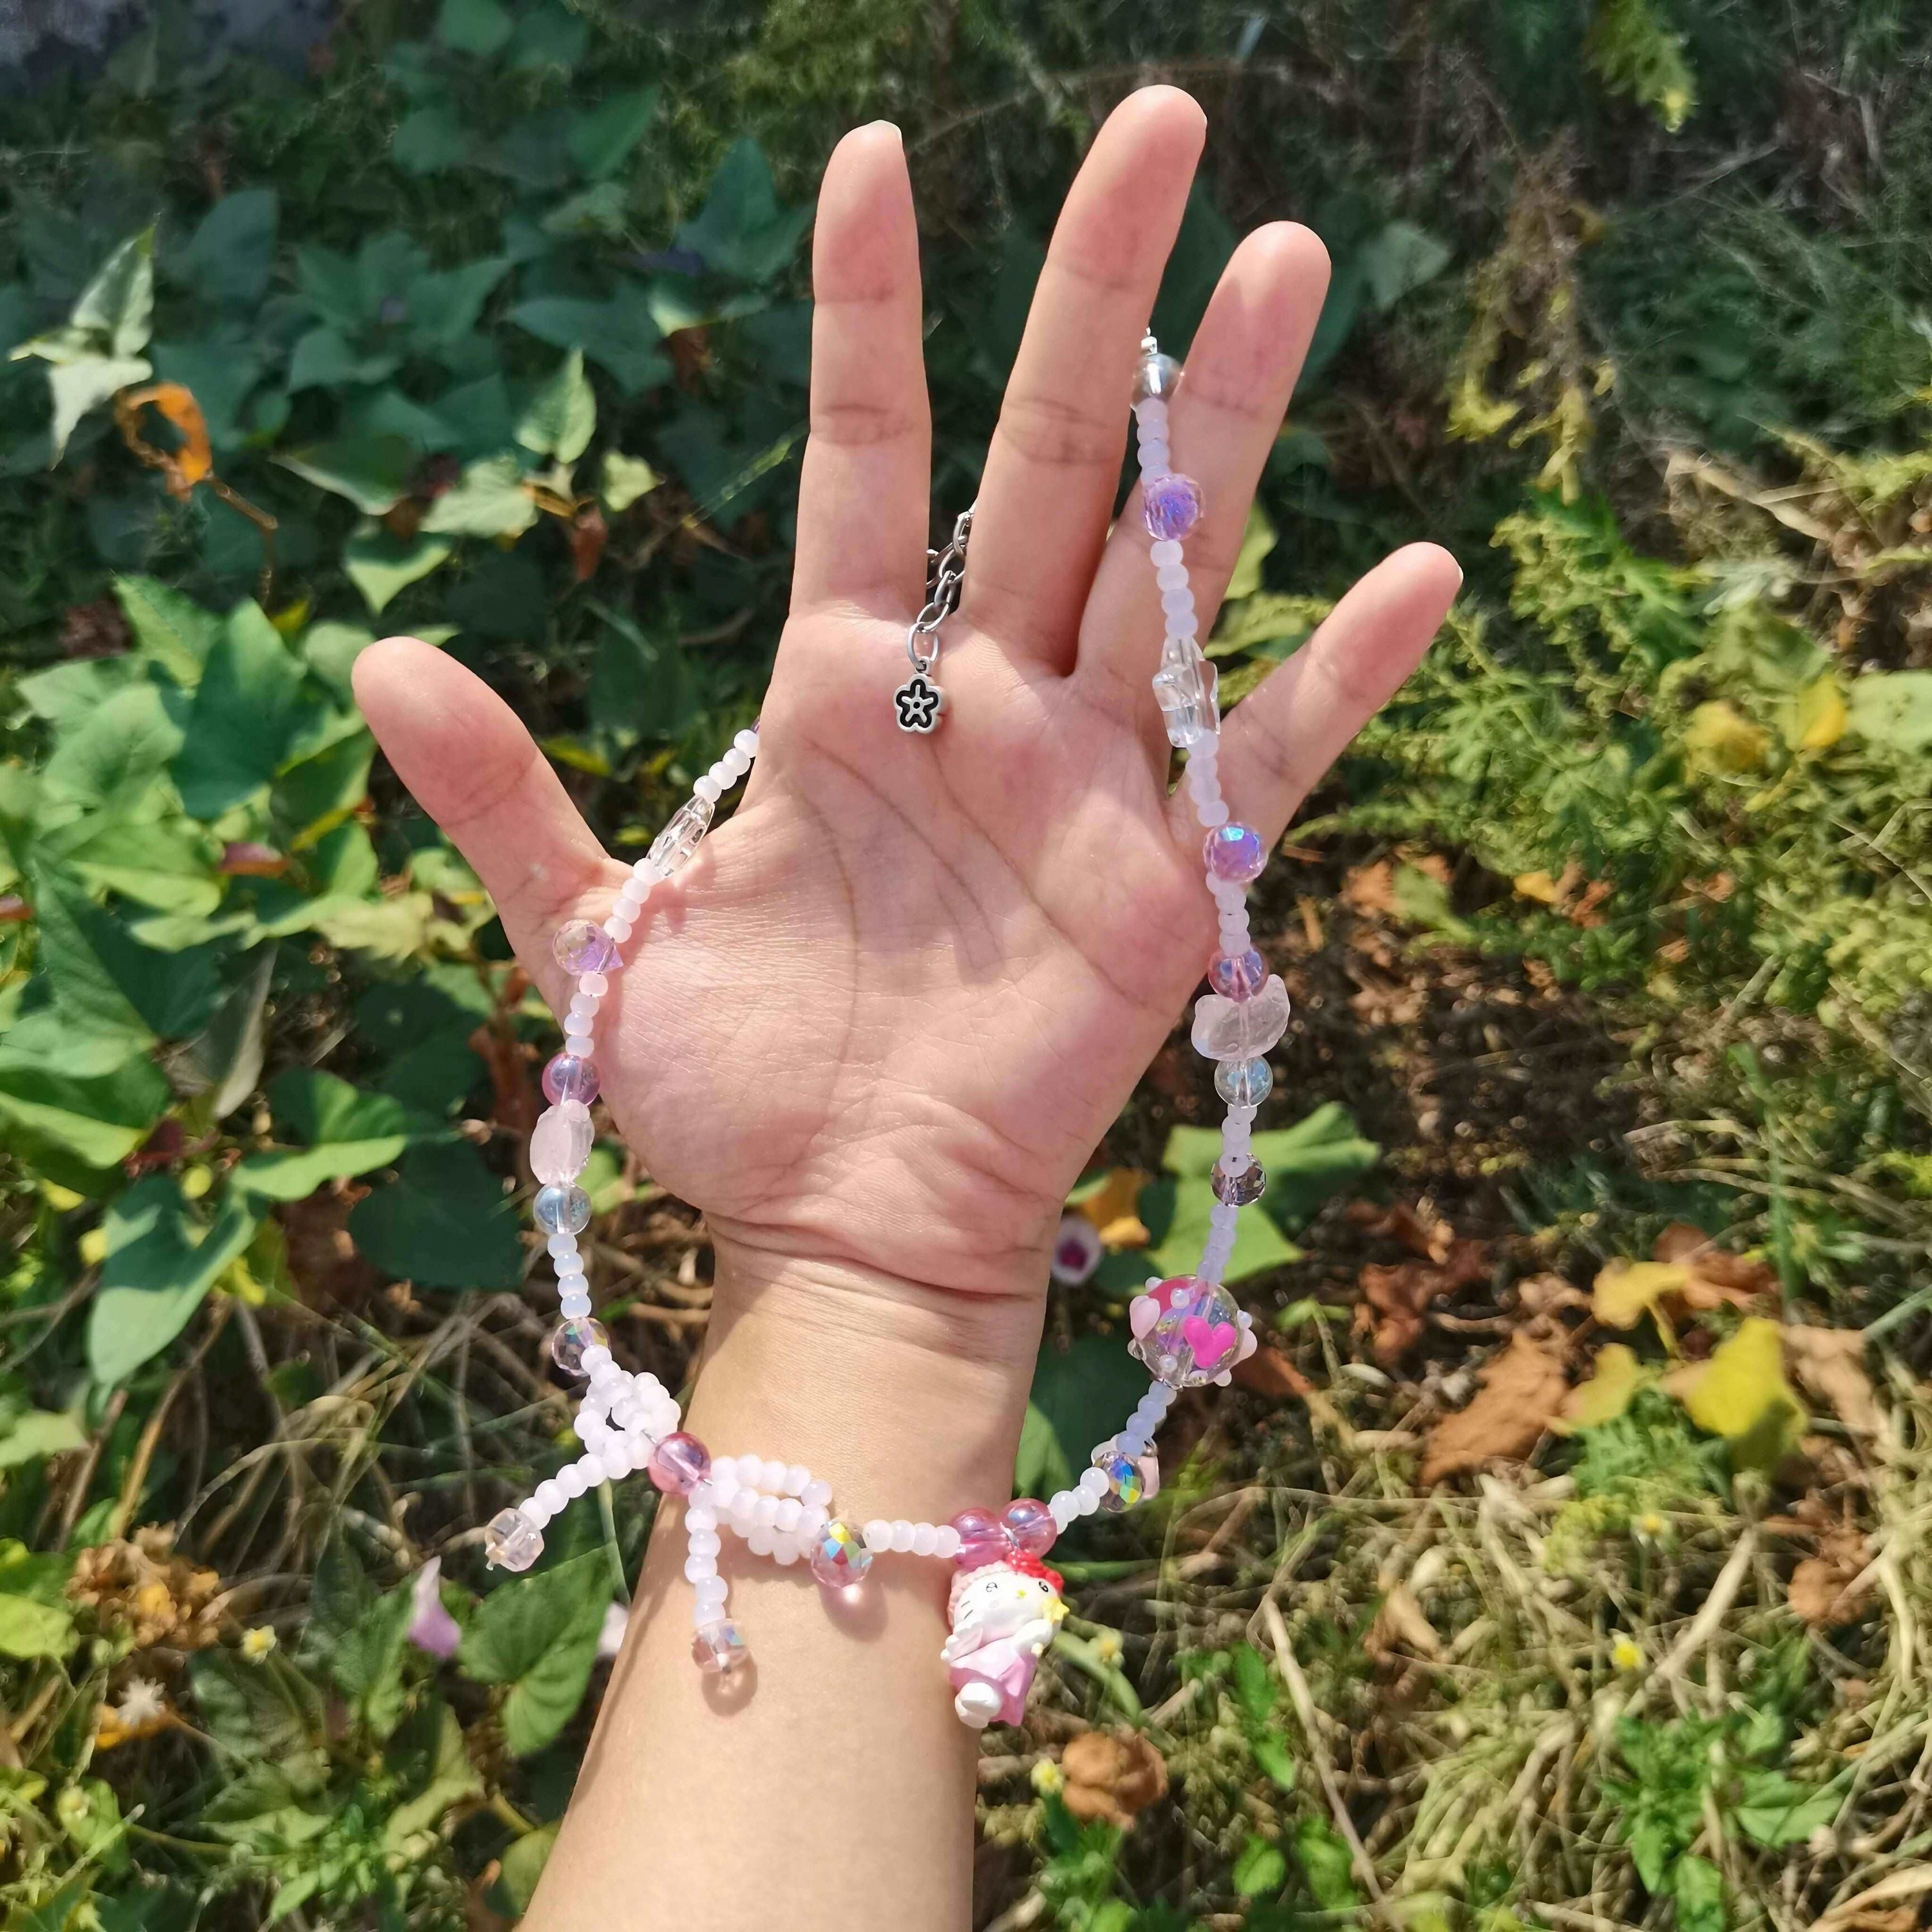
(569, 1078)
(983, 1538)
(1031, 1525)
(1170, 505)
(679, 1464)
(1237, 976)
(1234, 851)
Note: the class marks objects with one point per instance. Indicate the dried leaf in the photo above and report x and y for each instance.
(1829, 1364)
(1370, 889)
(1740, 1394)
(1718, 1278)
(589, 533)
(1540, 886)
(184, 466)
(1394, 1299)
(1821, 1590)
(1112, 1775)
(1549, 1294)
(1400, 1621)
(1618, 1376)
(1624, 1292)
(1268, 1372)
(1522, 1389)
(1113, 1199)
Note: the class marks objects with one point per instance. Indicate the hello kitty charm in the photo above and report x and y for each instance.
(1004, 1614)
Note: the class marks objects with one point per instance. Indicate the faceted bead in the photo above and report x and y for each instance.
(568, 1340)
(1170, 505)
(1239, 1190)
(560, 1142)
(679, 1464)
(1237, 976)
(839, 1557)
(581, 948)
(1244, 1083)
(1158, 375)
(1126, 1484)
(1226, 1029)
(512, 1541)
(567, 1077)
(1235, 852)
(673, 847)
(719, 1649)
(982, 1537)
(1194, 1333)
(561, 1210)
(1185, 687)
(1031, 1525)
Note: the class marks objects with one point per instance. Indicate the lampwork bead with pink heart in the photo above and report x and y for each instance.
(1186, 1331)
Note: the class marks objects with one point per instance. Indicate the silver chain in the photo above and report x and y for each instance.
(945, 569)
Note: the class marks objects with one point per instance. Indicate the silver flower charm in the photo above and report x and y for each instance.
(919, 702)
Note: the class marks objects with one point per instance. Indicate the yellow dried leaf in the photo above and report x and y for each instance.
(1624, 1292)
(1618, 1376)
(1719, 738)
(1740, 1394)
(1540, 886)
(1113, 1199)
(1816, 718)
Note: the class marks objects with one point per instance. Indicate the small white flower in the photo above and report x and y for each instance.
(141, 1703)
(258, 1642)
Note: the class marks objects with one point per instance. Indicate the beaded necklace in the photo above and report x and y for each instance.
(1004, 1603)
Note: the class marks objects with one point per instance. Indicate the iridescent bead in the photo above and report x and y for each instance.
(1239, 1190)
(839, 1557)
(1185, 687)
(1158, 375)
(1237, 976)
(1126, 1484)
(581, 947)
(568, 1340)
(1192, 1331)
(561, 1210)
(512, 1541)
(1244, 1083)
(1235, 852)
(560, 1142)
(1225, 1029)
(568, 1078)
(674, 847)
(720, 1649)
(1031, 1525)
(679, 1464)
(981, 1538)
(1170, 505)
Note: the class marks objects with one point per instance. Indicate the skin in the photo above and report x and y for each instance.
(877, 1028)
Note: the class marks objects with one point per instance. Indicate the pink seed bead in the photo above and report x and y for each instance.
(1234, 851)
(569, 1078)
(1237, 976)
(679, 1464)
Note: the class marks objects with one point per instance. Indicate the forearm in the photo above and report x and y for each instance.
(832, 1775)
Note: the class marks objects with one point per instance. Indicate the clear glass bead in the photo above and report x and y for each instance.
(560, 1142)
(1126, 1484)
(1237, 976)
(569, 1339)
(1170, 506)
(719, 1649)
(1186, 1331)
(1244, 1083)
(1226, 1029)
(567, 1077)
(839, 1557)
(581, 947)
(679, 1464)
(512, 1541)
(1235, 852)
(561, 1210)
(1158, 375)
(1239, 1190)
(673, 848)
(1185, 687)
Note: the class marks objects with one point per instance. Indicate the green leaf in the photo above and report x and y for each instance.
(431, 140)
(332, 650)
(348, 1131)
(522, 1865)
(600, 138)
(1773, 1811)
(324, 359)
(96, 1117)
(625, 478)
(620, 334)
(1327, 1864)
(27, 1436)
(741, 231)
(1040, 1464)
(244, 716)
(1257, 540)
(1893, 709)
(443, 306)
(78, 385)
(561, 417)
(228, 259)
(268, 1710)
(167, 863)
(1082, 1393)
(105, 982)
(1399, 260)
(1178, 1212)
(478, 27)
(538, 1635)
(170, 631)
(160, 1265)
(1260, 1870)
(445, 1223)
(1697, 1886)
(381, 566)
(68, 694)
(452, 1778)
(488, 500)
(1255, 1688)
(112, 761)
(118, 306)
(28, 1629)
(374, 473)
(1271, 1753)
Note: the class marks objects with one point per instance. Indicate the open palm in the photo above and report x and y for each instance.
(884, 1018)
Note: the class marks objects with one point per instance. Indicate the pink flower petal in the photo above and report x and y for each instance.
(1077, 1250)
(431, 1626)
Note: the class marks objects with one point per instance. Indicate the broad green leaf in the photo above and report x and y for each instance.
(220, 372)
(1399, 260)
(118, 306)
(452, 1778)
(79, 385)
(113, 758)
(268, 1710)
(381, 566)
(224, 1061)
(602, 209)
(26, 1437)
(28, 1629)
(1260, 1870)
(168, 863)
(561, 417)
(1257, 540)
(443, 305)
(67, 695)
(373, 472)
(244, 714)
(432, 139)
(625, 478)
(348, 1130)
(230, 258)
(489, 499)
(741, 231)
(523, 1864)
(1040, 1463)
(94, 1117)
(1893, 708)
(548, 36)
(1082, 1393)
(1256, 1689)
(1327, 1864)
(94, 967)
(1271, 1753)
(444, 1223)
(620, 334)
(170, 631)
(1697, 1888)
(538, 1635)
(600, 138)
(477, 27)
(313, 794)
(160, 1265)
(332, 650)
(324, 358)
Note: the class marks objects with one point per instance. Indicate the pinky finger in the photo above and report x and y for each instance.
(1278, 742)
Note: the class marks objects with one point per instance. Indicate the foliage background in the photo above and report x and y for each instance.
(1618, 923)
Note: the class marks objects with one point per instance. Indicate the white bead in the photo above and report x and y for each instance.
(785, 1515)
(796, 1476)
(878, 1534)
(751, 1471)
(596, 1357)
(734, 764)
(571, 1306)
(925, 1538)
(535, 1511)
(744, 1509)
(698, 1567)
(816, 1494)
(1094, 1481)
(700, 1517)
(746, 742)
(1066, 1506)
(1161, 555)
(723, 1483)
(713, 1587)
(901, 1535)
(1089, 1501)
(812, 1517)
(563, 1247)
(1154, 458)
(575, 1043)
(720, 774)
(1177, 603)
(772, 1478)
(705, 1543)
(550, 1493)
(596, 985)
(618, 927)
(708, 788)
(947, 1544)
(785, 1550)
(1213, 814)
(760, 1540)
(766, 1515)
(573, 1480)
(584, 1005)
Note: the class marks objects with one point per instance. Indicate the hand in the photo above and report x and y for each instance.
(878, 1026)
